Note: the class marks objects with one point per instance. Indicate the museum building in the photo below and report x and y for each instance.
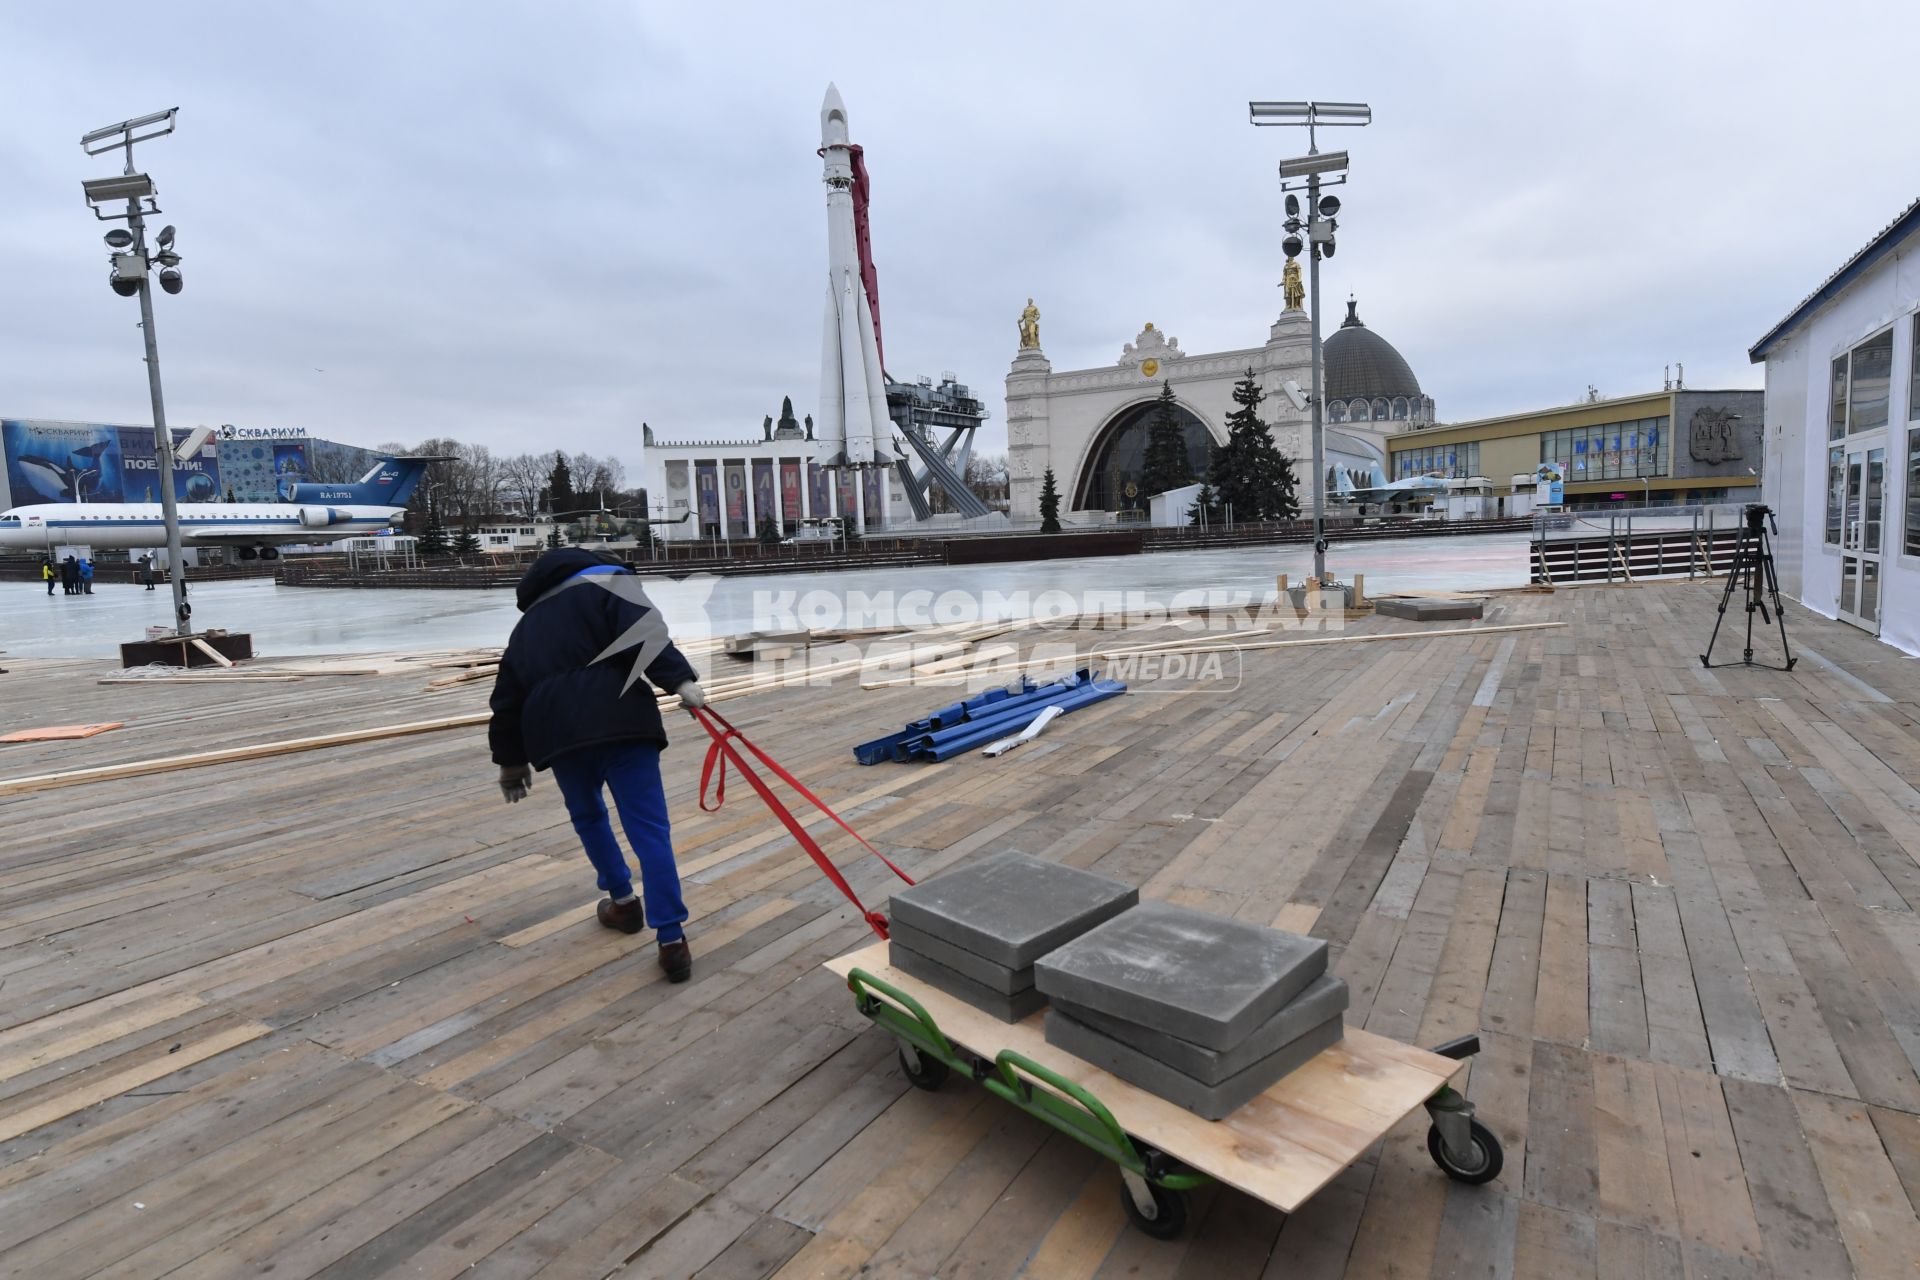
(1090, 425)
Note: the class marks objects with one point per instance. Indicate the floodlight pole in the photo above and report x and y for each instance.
(121, 137)
(162, 438)
(1312, 115)
(1319, 440)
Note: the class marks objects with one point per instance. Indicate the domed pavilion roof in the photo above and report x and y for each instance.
(1360, 363)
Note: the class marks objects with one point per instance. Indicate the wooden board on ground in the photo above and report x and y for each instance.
(60, 732)
(1281, 1147)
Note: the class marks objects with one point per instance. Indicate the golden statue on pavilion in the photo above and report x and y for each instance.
(1291, 287)
(1030, 327)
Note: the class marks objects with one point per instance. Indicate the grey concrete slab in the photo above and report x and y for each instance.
(1007, 1008)
(1420, 610)
(1189, 974)
(1011, 909)
(1210, 1101)
(1325, 997)
(962, 961)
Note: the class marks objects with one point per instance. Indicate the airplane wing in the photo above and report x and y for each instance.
(277, 538)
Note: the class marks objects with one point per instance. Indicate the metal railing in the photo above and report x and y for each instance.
(1627, 545)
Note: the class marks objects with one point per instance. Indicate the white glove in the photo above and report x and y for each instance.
(692, 696)
(516, 780)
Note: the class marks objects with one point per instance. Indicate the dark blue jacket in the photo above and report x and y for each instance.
(550, 696)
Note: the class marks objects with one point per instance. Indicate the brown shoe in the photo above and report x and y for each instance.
(677, 959)
(627, 917)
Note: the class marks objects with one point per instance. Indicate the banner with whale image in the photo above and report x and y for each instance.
(86, 462)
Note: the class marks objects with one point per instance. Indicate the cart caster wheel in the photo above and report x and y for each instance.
(1486, 1148)
(922, 1071)
(1169, 1216)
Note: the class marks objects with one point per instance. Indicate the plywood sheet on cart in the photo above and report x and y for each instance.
(1281, 1147)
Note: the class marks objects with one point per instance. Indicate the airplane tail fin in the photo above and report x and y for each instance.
(1342, 482)
(389, 484)
(1377, 477)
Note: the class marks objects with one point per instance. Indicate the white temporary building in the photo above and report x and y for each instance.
(1842, 467)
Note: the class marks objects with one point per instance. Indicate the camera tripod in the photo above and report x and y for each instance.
(1753, 569)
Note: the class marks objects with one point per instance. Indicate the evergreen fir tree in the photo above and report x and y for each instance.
(1208, 502)
(433, 533)
(560, 495)
(1049, 504)
(1165, 465)
(769, 533)
(553, 537)
(466, 542)
(1252, 478)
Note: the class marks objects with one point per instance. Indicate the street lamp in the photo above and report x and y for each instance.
(130, 265)
(1309, 173)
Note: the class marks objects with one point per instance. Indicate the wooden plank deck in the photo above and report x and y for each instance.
(346, 1014)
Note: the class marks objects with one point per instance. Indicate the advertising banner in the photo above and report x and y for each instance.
(85, 462)
(706, 484)
(820, 487)
(790, 492)
(1549, 485)
(763, 505)
(289, 465)
(870, 484)
(849, 482)
(736, 481)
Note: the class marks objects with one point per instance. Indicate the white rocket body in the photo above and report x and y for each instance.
(853, 394)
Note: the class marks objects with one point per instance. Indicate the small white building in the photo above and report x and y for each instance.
(1842, 467)
(722, 488)
(508, 533)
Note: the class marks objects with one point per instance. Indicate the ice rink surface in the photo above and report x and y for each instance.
(291, 621)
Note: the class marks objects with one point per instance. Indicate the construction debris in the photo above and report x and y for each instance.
(955, 729)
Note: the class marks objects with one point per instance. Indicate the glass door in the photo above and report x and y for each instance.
(1862, 522)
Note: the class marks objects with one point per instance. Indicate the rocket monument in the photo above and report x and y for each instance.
(853, 391)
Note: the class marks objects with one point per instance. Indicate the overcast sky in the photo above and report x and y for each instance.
(535, 226)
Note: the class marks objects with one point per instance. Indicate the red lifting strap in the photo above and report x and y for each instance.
(722, 750)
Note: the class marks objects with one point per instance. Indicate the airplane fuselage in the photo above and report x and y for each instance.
(202, 524)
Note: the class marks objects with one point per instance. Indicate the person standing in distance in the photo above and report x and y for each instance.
(569, 697)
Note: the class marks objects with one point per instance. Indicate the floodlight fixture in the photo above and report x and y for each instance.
(124, 287)
(166, 234)
(1329, 206)
(125, 186)
(171, 282)
(1308, 166)
(119, 238)
(158, 124)
(1293, 205)
(1264, 113)
(196, 441)
(1355, 113)
(1292, 246)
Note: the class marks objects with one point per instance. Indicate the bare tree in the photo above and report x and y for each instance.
(523, 478)
(597, 478)
(987, 476)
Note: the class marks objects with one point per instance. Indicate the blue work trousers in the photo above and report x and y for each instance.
(631, 770)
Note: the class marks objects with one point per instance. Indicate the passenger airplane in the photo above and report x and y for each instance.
(1379, 490)
(250, 528)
